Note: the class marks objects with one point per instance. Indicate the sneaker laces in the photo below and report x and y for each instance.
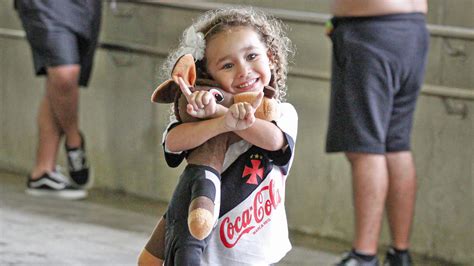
(76, 159)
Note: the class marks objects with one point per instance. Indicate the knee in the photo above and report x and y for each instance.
(64, 84)
(63, 80)
(147, 259)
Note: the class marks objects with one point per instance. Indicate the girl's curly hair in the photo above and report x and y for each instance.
(271, 31)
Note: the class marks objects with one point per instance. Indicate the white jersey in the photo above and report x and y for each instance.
(252, 228)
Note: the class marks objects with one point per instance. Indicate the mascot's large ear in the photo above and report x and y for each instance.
(185, 68)
(166, 91)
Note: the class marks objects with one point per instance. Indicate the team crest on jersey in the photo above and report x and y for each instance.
(243, 177)
(254, 173)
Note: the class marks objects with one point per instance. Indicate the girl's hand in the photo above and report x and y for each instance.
(241, 115)
(201, 104)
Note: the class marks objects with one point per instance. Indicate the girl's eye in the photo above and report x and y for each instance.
(227, 66)
(252, 56)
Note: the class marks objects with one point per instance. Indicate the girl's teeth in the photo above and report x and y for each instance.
(247, 84)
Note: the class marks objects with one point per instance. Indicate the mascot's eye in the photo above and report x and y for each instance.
(217, 95)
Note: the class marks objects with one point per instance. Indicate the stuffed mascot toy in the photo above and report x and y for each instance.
(201, 214)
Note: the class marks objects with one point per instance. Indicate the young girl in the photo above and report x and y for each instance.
(242, 50)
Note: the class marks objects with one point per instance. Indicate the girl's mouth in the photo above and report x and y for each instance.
(247, 85)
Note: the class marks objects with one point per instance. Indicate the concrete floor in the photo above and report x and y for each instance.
(110, 228)
(105, 229)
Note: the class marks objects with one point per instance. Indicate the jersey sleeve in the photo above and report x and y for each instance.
(288, 123)
(173, 159)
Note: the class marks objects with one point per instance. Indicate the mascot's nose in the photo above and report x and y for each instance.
(218, 95)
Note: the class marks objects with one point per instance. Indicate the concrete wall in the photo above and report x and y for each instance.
(123, 129)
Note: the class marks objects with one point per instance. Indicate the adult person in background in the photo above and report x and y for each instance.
(63, 36)
(378, 64)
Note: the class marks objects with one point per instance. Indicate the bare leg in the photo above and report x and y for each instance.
(401, 197)
(57, 115)
(49, 137)
(63, 93)
(370, 184)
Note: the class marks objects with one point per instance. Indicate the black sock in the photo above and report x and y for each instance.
(399, 251)
(363, 256)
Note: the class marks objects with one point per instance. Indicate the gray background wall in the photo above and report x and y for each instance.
(123, 129)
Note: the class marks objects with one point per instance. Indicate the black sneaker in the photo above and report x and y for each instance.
(393, 258)
(54, 184)
(351, 259)
(77, 164)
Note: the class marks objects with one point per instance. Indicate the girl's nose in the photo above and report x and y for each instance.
(243, 70)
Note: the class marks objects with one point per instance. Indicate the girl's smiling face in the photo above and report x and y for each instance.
(238, 60)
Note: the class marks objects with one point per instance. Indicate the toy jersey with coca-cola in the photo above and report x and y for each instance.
(252, 227)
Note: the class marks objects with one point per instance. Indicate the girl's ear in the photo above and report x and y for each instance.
(271, 59)
(273, 82)
(270, 56)
(273, 66)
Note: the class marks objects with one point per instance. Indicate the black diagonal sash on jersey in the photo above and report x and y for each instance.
(243, 176)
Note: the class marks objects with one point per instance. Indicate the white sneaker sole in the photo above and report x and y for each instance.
(61, 194)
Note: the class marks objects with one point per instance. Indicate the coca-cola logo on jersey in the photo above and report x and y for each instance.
(253, 218)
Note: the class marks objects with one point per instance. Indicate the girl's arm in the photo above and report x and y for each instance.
(201, 104)
(264, 134)
(240, 118)
(188, 136)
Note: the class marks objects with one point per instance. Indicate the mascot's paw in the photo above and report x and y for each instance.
(200, 223)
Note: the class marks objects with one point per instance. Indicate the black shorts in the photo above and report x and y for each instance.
(378, 66)
(61, 33)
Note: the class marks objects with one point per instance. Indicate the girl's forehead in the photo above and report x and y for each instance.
(231, 35)
(231, 30)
